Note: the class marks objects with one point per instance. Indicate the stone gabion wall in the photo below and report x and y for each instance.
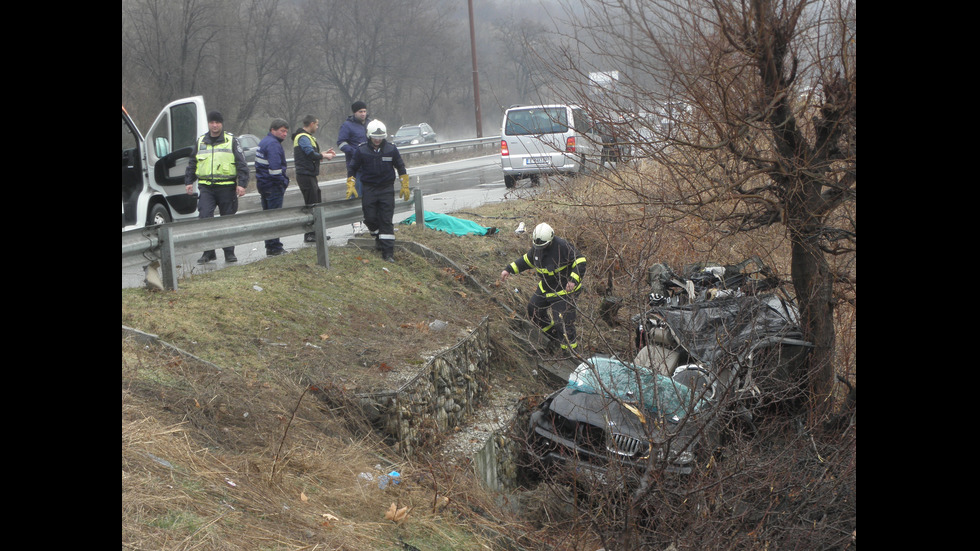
(439, 398)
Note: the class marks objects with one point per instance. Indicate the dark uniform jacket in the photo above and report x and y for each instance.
(377, 165)
(557, 263)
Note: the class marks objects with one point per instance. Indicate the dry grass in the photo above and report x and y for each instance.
(249, 438)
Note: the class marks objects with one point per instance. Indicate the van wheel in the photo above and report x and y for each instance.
(158, 215)
(509, 182)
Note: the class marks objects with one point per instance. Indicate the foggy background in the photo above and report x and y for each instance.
(255, 60)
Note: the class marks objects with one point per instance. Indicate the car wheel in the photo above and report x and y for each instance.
(509, 181)
(158, 215)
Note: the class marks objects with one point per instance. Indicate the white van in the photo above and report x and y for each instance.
(540, 139)
(153, 168)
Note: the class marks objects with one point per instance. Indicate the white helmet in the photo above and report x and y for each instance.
(543, 235)
(376, 129)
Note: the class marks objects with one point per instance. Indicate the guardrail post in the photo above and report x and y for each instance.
(419, 213)
(168, 260)
(320, 229)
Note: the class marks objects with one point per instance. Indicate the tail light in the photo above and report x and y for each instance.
(503, 148)
(570, 144)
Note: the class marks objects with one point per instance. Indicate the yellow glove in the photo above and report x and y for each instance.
(405, 193)
(351, 191)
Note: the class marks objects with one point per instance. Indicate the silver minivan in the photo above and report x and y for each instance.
(543, 139)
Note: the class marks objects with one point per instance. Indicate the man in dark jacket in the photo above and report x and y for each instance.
(561, 270)
(353, 133)
(218, 165)
(378, 160)
(270, 175)
(306, 159)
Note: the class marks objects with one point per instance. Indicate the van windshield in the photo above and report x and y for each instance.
(540, 120)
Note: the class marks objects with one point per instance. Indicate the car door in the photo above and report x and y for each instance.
(170, 143)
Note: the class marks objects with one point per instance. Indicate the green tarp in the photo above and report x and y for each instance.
(451, 224)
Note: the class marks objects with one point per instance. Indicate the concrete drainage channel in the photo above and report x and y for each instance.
(450, 395)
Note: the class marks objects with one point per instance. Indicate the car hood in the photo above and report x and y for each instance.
(599, 410)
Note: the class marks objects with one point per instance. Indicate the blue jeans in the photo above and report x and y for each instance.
(272, 199)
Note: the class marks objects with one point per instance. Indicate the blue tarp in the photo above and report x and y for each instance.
(612, 377)
(451, 224)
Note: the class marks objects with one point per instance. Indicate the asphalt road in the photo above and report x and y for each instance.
(446, 188)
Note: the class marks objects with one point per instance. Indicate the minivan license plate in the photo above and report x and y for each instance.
(537, 161)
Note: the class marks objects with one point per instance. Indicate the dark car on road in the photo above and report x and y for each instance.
(250, 144)
(707, 348)
(414, 134)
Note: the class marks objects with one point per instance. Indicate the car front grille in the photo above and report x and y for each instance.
(624, 445)
(596, 440)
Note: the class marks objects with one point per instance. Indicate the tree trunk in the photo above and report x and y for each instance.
(813, 284)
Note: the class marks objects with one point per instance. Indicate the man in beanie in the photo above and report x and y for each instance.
(217, 167)
(353, 133)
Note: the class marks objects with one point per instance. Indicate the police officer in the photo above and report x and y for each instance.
(561, 269)
(217, 167)
(306, 159)
(378, 160)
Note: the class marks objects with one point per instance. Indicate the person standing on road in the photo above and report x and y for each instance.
(561, 270)
(270, 175)
(378, 160)
(353, 133)
(306, 159)
(218, 165)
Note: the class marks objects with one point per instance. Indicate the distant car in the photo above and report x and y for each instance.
(414, 134)
(547, 139)
(250, 143)
(700, 360)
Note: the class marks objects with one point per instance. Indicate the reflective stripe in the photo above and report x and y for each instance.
(390, 236)
(216, 162)
(276, 172)
(259, 161)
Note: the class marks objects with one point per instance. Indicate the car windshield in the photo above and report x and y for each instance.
(410, 131)
(659, 394)
(544, 120)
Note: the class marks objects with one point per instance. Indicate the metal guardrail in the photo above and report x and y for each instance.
(162, 243)
(432, 148)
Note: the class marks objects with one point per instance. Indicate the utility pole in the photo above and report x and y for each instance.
(476, 76)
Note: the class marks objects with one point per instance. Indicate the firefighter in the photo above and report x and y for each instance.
(561, 269)
(378, 161)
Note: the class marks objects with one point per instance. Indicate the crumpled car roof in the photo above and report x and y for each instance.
(658, 393)
(715, 329)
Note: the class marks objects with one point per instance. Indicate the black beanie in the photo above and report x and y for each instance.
(357, 106)
(216, 117)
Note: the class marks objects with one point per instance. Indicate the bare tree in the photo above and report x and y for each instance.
(256, 45)
(764, 132)
(173, 44)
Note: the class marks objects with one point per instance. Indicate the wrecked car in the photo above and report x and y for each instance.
(612, 414)
(709, 337)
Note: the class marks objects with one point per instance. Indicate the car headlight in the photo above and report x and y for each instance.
(682, 458)
(415, 141)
